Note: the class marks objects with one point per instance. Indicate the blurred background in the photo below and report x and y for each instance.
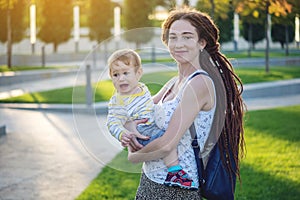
(30, 29)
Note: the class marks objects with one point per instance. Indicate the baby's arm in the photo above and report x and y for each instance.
(117, 116)
(114, 122)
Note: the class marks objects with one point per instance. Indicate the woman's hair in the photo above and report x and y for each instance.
(232, 132)
(127, 56)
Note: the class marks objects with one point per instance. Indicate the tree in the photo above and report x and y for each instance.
(283, 27)
(252, 17)
(222, 14)
(253, 33)
(168, 4)
(226, 27)
(283, 33)
(100, 19)
(57, 22)
(263, 8)
(12, 24)
(136, 17)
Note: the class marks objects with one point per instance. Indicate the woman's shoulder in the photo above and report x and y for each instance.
(200, 79)
(202, 88)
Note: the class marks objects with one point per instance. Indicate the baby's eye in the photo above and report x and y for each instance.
(115, 75)
(126, 73)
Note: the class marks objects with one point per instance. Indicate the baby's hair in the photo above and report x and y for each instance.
(127, 56)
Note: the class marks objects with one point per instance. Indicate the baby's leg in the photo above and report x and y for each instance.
(176, 175)
(171, 159)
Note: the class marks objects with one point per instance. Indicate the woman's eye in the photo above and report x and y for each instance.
(187, 37)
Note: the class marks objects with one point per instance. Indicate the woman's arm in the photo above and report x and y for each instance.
(196, 96)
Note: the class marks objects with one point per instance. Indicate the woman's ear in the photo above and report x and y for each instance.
(202, 44)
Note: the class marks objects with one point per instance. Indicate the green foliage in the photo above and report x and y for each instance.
(136, 21)
(225, 26)
(17, 14)
(217, 9)
(271, 169)
(278, 33)
(100, 19)
(136, 13)
(222, 14)
(253, 33)
(57, 22)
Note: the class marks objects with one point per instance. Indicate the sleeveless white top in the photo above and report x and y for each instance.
(156, 170)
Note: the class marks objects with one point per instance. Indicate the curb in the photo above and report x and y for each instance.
(97, 108)
(8, 78)
(272, 89)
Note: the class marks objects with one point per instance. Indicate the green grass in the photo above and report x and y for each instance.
(256, 75)
(261, 54)
(113, 183)
(270, 170)
(104, 89)
(4, 68)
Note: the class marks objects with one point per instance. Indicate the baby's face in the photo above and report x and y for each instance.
(125, 78)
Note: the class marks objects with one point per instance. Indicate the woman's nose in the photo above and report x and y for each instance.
(179, 43)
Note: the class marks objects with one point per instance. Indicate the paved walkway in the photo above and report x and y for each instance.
(54, 155)
(51, 155)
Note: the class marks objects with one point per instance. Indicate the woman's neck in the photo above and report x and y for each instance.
(184, 70)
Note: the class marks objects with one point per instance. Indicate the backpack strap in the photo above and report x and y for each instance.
(195, 145)
(198, 158)
(198, 72)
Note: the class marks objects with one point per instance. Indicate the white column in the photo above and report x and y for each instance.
(117, 23)
(236, 30)
(76, 24)
(32, 13)
(297, 34)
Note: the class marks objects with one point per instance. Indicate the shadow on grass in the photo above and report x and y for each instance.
(282, 123)
(262, 185)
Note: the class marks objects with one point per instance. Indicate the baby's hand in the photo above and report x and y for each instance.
(125, 139)
(140, 136)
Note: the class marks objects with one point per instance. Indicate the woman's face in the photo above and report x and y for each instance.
(184, 43)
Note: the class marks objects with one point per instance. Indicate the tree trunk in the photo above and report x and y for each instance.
(286, 40)
(55, 47)
(250, 40)
(212, 2)
(267, 29)
(9, 39)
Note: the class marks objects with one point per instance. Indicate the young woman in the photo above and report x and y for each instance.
(205, 93)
